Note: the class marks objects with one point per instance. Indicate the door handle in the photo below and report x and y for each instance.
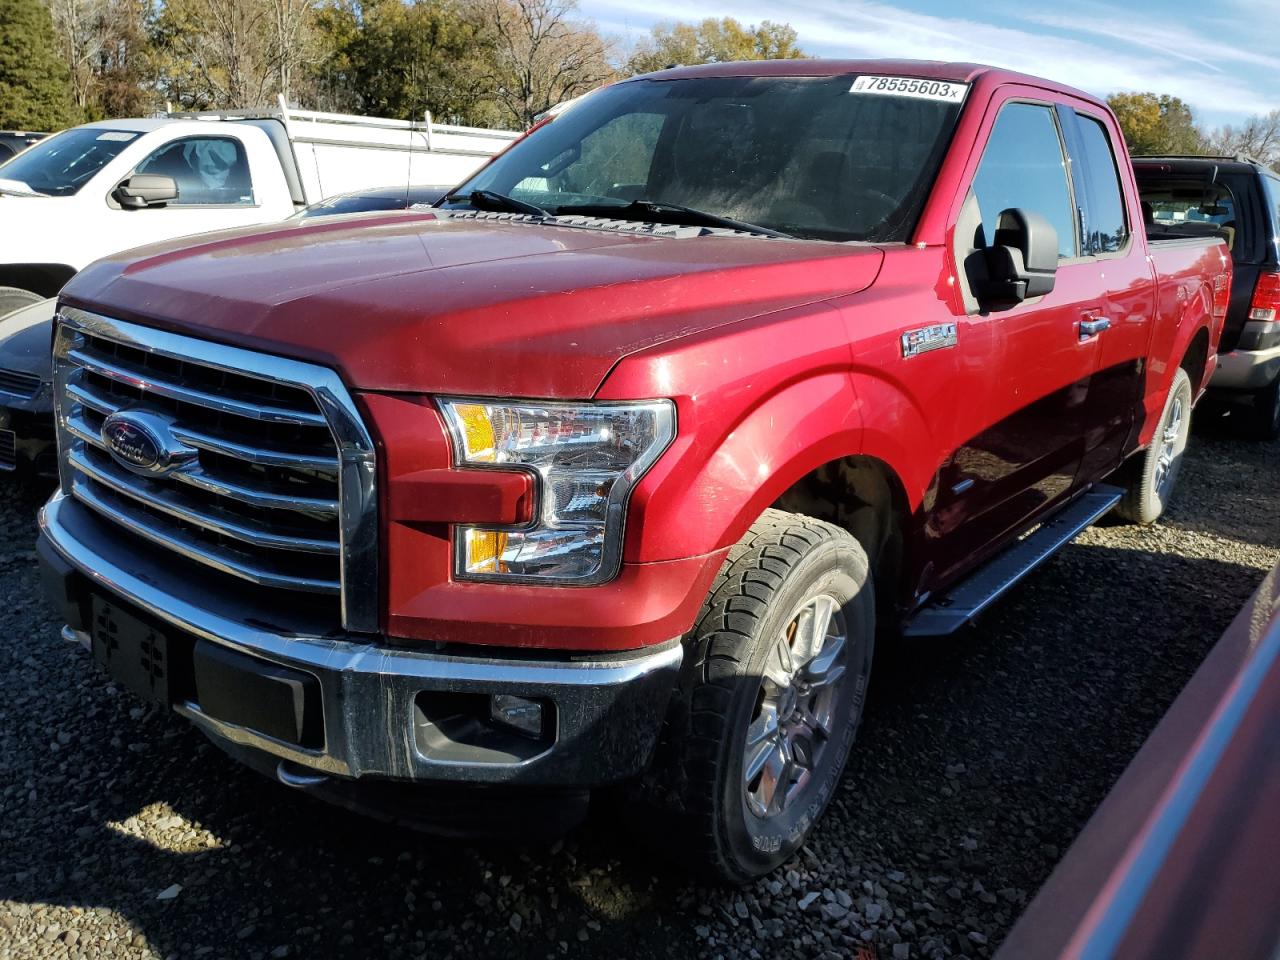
(1090, 327)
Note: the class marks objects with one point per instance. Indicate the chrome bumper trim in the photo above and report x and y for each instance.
(609, 711)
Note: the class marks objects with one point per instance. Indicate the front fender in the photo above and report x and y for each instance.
(703, 496)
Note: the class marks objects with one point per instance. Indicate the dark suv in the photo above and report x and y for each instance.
(1238, 199)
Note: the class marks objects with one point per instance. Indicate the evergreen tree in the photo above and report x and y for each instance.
(35, 86)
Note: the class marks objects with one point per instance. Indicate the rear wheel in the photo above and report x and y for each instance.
(13, 298)
(783, 656)
(1158, 466)
(1266, 412)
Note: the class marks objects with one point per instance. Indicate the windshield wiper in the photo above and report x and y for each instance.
(658, 212)
(494, 202)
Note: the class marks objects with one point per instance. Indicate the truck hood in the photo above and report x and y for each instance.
(484, 306)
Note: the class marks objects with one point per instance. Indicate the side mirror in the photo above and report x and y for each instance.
(144, 190)
(1021, 262)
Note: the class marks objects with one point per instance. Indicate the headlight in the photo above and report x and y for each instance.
(586, 457)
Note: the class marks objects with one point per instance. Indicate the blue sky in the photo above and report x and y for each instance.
(1221, 56)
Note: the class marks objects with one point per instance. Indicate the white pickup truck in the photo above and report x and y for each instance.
(108, 186)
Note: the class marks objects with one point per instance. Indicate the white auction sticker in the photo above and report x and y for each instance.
(117, 136)
(946, 90)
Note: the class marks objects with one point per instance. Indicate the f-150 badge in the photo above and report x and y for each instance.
(928, 338)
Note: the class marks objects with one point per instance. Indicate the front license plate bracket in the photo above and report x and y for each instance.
(131, 651)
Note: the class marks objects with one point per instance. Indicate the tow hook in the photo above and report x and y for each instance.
(299, 777)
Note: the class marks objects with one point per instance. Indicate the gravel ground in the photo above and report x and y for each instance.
(124, 834)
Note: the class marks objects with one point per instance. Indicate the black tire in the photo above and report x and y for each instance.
(780, 581)
(14, 298)
(1151, 488)
(1265, 424)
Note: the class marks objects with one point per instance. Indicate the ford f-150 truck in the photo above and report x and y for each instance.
(611, 468)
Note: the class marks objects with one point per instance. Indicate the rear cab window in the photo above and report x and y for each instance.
(1106, 226)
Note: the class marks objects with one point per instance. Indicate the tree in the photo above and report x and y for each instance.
(126, 82)
(35, 89)
(713, 41)
(105, 45)
(1257, 137)
(397, 59)
(78, 27)
(1157, 124)
(232, 53)
(542, 56)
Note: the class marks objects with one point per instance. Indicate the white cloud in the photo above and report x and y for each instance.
(1156, 56)
(1182, 40)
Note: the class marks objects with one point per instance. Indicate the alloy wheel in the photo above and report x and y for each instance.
(1170, 448)
(793, 721)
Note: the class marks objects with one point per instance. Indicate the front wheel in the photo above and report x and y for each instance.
(1158, 466)
(782, 656)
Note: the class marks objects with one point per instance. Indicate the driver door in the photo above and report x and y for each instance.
(215, 191)
(1025, 430)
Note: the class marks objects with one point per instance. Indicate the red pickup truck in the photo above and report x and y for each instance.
(612, 467)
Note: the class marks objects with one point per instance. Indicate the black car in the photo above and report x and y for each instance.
(378, 198)
(26, 390)
(26, 374)
(1238, 199)
(15, 141)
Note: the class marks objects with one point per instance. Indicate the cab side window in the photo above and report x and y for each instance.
(208, 170)
(1108, 230)
(1024, 165)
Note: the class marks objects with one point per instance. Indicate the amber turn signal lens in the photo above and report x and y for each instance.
(476, 428)
(484, 550)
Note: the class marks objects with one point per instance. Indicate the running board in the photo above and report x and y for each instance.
(951, 611)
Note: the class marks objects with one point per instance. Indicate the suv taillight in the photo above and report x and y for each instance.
(1266, 297)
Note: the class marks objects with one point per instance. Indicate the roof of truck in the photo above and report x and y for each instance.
(145, 124)
(1196, 164)
(925, 69)
(134, 124)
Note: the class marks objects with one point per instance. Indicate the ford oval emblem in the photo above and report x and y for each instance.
(142, 442)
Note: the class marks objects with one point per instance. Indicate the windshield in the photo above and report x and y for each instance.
(805, 156)
(62, 164)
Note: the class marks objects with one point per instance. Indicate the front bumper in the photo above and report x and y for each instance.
(376, 710)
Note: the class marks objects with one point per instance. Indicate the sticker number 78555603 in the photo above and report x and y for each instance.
(945, 90)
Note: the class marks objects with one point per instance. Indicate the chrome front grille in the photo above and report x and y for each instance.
(275, 481)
